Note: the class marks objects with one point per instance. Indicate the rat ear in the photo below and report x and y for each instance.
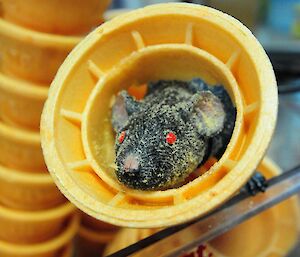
(209, 114)
(123, 106)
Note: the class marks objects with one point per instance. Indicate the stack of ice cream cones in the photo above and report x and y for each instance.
(93, 236)
(35, 37)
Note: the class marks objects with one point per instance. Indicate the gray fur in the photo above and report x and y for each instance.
(194, 115)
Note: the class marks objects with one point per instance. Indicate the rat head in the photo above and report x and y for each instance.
(157, 144)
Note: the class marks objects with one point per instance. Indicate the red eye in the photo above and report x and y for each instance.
(122, 137)
(171, 138)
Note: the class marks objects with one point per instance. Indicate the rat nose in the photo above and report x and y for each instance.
(131, 163)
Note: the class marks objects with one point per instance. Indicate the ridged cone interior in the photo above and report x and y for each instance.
(271, 233)
(166, 41)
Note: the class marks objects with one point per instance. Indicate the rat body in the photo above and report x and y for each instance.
(167, 135)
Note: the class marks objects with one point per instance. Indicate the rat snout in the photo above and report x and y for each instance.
(131, 163)
(135, 171)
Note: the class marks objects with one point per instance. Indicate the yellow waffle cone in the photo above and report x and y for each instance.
(126, 237)
(167, 41)
(21, 103)
(110, 14)
(20, 149)
(92, 243)
(52, 16)
(271, 233)
(32, 55)
(28, 191)
(51, 248)
(68, 251)
(94, 224)
(31, 227)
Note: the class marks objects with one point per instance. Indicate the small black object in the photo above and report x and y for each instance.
(256, 184)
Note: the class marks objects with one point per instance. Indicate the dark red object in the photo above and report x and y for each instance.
(122, 137)
(200, 250)
(171, 138)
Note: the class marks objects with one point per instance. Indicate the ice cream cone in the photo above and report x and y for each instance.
(166, 41)
(50, 248)
(25, 227)
(28, 191)
(110, 14)
(91, 242)
(126, 237)
(21, 102)
(94, 224)
(271, 233)
(31, 55)
(68, 251)
(52, 16)
(20, 149)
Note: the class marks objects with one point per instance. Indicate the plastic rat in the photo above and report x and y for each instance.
(163, 138)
